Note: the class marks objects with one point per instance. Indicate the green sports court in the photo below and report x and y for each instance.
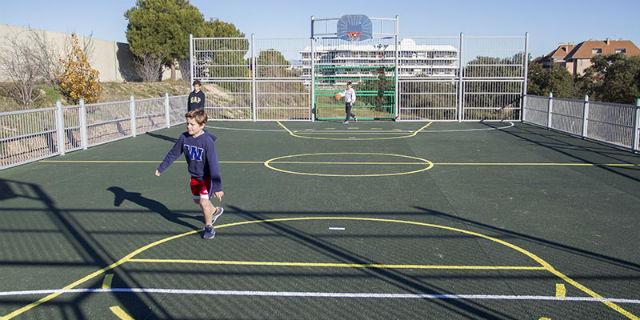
(374, 220)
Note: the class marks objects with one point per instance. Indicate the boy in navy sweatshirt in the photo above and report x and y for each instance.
(196, 97)
(202, 162)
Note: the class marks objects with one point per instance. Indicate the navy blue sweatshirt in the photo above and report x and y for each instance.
(195, 101)
(200, 153)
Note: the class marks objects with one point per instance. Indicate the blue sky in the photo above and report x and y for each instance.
(548, 22)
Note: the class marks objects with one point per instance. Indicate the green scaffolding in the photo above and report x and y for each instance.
(375, 91)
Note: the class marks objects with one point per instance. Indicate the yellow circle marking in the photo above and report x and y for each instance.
(547, 266)
(404, 136)
(121, 314)
(428, 164)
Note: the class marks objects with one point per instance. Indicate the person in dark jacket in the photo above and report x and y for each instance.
(198, 147)
(196, 97)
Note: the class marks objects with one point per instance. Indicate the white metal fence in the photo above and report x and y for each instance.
(459, 78)
(612, 123)
(255, 78)
(31, 135)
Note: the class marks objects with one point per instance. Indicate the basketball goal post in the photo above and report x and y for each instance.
(358, 49)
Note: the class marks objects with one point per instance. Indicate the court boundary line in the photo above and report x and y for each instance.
(316, 294)
(517, 248)
(336, 265)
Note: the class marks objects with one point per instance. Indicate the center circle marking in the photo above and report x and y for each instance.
(271, 162)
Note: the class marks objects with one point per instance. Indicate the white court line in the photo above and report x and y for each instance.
(337, 228)
(301, 294)
(511, 124)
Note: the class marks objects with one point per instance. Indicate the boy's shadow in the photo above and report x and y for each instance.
(121, 195)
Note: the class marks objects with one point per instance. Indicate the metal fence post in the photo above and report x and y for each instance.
(60, 127)
(396, 70)
(167, 110)
(526, 76)
(84, 139)
(636, 128)
(132, 112)
(585, 116)
(460, 81)
(191, 67)
(312, 101)
(550, 109)
(254, 82)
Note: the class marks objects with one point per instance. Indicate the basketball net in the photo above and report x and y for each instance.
(354, 35)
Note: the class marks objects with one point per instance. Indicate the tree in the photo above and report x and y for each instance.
(28, 60)
(158, 30)
(221, 29)
(555, 79)
(78, 80)
(499, 95)
(272, 63)
(612, 78)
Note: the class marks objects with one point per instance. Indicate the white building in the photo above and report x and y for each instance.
(415, 60)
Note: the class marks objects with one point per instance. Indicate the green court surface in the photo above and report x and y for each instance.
(371, 220)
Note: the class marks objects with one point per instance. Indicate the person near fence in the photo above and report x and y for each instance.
(196, 97)
(349, 98)
(198, 147)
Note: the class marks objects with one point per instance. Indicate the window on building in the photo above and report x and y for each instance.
(621, 50)
(596, 51)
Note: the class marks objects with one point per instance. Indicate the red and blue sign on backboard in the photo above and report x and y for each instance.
(354, 27)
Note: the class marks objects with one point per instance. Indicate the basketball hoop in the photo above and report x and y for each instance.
(354, 35)
(354, 28)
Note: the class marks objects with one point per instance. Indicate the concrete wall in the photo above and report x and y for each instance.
(112, 59)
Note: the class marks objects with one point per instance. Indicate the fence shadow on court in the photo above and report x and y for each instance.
(82, 241)
(584, 151)
(120, 195)
(395, 278)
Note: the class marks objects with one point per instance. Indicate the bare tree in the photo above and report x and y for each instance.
(45, 56)
(149, 67)
(21, 64)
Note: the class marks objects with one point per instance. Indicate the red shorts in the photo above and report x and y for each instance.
(201, 188)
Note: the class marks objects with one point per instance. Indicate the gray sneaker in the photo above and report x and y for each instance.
(217, 214)
(209, 232)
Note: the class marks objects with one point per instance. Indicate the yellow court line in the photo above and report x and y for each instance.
(547, 266)
(106, 284)
(623, 164)
(488, 164)
(142, 161)
(353, 132)
(539, 164)
(93, 275)
(121, 314)
(350, 162)
(333, 265)
(412, 134)
(561, 290)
